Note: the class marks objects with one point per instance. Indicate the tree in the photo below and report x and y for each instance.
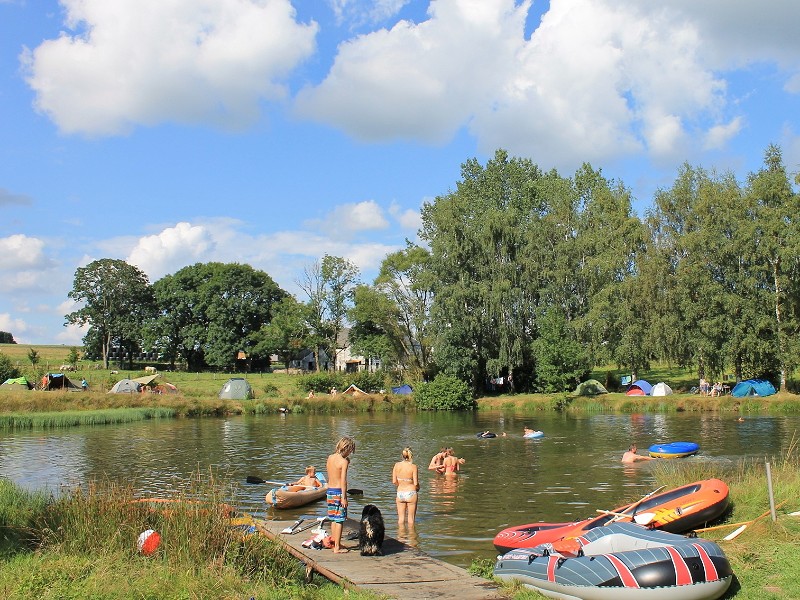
(33, 357)
(286, 333)
(73, 357)
(561, 362)
(329, 286)
(117, 299)
(6, 338)
(7, 369)
(208, 312)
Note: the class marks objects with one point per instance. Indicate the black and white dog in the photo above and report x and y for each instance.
(372, 531)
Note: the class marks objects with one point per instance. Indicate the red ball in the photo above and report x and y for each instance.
(148, 542)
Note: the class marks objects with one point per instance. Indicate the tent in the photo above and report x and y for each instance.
(661, 389)
(20, 383)
(126, 386)
(59, 381)
(403, 390)
(354, 390)
(590, 387)
(753, 387)
(236, 388)
(639, 388)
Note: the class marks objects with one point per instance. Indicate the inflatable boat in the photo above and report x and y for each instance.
(678, 510)
(533, 435)
(673, 449)
(623, 560)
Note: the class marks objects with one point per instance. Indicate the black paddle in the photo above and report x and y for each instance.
(258, 480)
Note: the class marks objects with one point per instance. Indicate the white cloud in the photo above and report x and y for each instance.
(181, 245)
(597, 80)
(16, 327)
(132, 62)
(719, 135)
(20, 252)
(408, 218)
(420, 81)
(348, 219)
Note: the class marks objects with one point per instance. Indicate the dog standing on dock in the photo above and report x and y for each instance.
(371, 532)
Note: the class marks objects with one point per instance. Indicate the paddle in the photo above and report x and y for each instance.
(633, 506)
(254, 479)
(257, 480)
(746, 524)
(642, 519)
(294, 525)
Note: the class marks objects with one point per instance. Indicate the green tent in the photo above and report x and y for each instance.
(20, 383)
(236, 388)
(590, 387)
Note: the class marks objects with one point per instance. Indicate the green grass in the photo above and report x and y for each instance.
(83, 545)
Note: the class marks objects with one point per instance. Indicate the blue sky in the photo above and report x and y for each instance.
(272, 132)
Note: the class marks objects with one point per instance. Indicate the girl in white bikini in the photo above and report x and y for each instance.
(405, 475)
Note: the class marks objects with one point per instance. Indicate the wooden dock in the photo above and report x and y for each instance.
(402, 572)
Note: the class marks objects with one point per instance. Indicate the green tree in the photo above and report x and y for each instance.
(6, 338)
(7, 369)
(116, 300)
(286, 333)
(33, 357)
(73, 357)
(329, 286)
(208, 312)
(561, 362)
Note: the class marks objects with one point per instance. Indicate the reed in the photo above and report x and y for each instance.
(71, 418)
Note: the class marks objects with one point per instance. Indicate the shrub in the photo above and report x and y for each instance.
(270, 389)
(7, 370)
(322, 382)
(372, 383)
(444, 393)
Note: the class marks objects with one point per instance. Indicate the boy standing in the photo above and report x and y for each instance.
(337, 465)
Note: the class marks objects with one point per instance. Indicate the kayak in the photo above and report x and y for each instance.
(285, 497)
(622, 560)
(678, 510)
(673, 449)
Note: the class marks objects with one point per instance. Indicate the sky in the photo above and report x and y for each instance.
(272, 132)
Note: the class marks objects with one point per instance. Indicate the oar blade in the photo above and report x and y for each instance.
(735, 533)
(254, 479)
(644, 518)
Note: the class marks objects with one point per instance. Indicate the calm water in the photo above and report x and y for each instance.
(566, 475)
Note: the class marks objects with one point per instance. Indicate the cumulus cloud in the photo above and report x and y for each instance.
(182, 244)
(597, 80)
(407, 218)
(420, 81)
(147, 61)
(7, 198)
(22, 253)
(348, 219)
(16, 327)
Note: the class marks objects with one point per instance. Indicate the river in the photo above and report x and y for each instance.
(566, 475)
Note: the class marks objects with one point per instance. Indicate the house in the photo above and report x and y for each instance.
(349, 362)
(304, 360)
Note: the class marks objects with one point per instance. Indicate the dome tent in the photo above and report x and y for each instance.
(236, 388)
(639, 388)
(753, 387)
(590, 387)
(661, 389)
(19, 383)
(126, 386)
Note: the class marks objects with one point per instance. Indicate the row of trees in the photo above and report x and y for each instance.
(523, 274)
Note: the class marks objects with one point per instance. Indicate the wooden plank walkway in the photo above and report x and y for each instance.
(402, 572)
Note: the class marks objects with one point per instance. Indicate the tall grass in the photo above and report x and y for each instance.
(85, 547)
(71, 418)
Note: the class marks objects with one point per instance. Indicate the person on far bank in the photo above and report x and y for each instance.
(631, 457)
(405, 475)
(337, 466)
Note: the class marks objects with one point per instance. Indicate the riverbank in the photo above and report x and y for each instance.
(35, 409)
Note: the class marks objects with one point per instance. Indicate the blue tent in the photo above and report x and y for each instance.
(403, 389)
(753, 387)
(639, 388)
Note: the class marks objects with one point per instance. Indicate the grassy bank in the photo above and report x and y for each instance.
(83, 545)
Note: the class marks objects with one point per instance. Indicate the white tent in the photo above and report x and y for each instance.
(661, 389)
(354, 390)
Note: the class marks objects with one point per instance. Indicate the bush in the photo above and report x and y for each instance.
(444, 393)
(372, 383)
(7, 370)
(322, 382)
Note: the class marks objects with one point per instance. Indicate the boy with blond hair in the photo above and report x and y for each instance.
(337, 466)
